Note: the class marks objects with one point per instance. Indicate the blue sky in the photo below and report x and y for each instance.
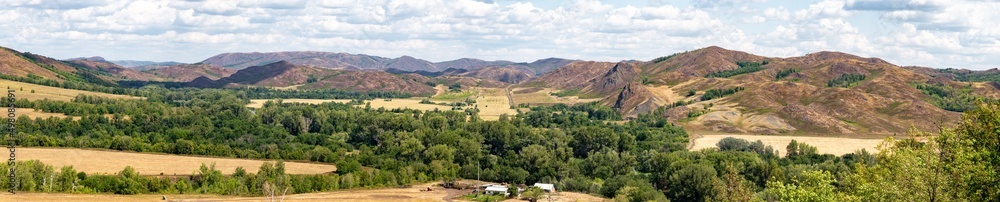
(934, 33)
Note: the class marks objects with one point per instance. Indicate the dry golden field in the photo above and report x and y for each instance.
(493, 102)
(34, 113)
(47, 92)
(825, 145)
(544, 97)
(411, 103)
(110, 162)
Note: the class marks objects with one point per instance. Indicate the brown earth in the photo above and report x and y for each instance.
(188, 72)
(885, 103)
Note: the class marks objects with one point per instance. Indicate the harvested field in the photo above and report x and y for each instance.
(493, 102)
(393, 104)
(110, 162)
(544, 97)
(293, 87)
(825, 145)
(48, 92)
(34, 113)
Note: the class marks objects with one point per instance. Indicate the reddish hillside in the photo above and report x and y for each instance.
(278, 74)
(373, 81)
(98, 64)
(886, 101)
(188, 72)
(16, 64)
(506, 74)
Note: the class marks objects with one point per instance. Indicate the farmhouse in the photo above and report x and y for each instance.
(546, 187)
(496, 189)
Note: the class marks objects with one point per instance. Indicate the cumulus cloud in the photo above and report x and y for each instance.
(913, 32)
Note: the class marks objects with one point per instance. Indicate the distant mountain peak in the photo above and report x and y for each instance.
(92, 58)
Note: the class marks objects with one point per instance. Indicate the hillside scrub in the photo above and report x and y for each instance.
(846, 80)
(947, 98)
(745, 67)
(718, 93)
(785, 73)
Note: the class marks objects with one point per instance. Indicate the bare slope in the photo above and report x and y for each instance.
(883, 103)
(188, 72)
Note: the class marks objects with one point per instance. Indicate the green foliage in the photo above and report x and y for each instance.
(566, 93)
(483, 197)
(846, 80)
(947, 98)
(971, 154)
(665, 58)
(905, 172)
(785, 73)
(574, 147)
(736, 144)
(810, 186)
(972, 76)
(455, 95)
(718, 93)
(745, 67)
(693, 183)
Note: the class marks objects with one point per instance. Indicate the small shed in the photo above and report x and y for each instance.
(498, 190)
(546, 187)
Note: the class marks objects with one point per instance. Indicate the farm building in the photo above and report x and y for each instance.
(496, 189)
(546, 187)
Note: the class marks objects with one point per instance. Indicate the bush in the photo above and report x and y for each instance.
(717, 93)
(785, 73)
(846, 80)
(744, 68)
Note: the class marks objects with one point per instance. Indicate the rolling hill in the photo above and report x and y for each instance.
(188, 72)
(732, 91)
(287, 75)
(348, 61)
(706, 89)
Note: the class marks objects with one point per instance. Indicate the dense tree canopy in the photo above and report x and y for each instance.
(577, 148)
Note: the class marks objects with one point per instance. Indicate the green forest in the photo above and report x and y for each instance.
(577, 148)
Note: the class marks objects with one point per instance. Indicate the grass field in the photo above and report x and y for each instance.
(110, 162)
(453, 96)
(545, 97)
(393, 104)
(34, 113)
(492, 103)
(825, 145)
(412, 194)
(47, 92)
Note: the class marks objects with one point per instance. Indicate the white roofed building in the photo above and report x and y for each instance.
(546, 187)
(496, 190)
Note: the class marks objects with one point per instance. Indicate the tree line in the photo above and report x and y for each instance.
(574, 147)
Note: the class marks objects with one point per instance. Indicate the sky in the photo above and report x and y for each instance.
(931, 33)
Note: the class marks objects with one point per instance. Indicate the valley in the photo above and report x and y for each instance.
(365, 128)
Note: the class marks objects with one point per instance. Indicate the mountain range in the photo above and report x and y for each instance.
(348, 61)
(711, 89)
